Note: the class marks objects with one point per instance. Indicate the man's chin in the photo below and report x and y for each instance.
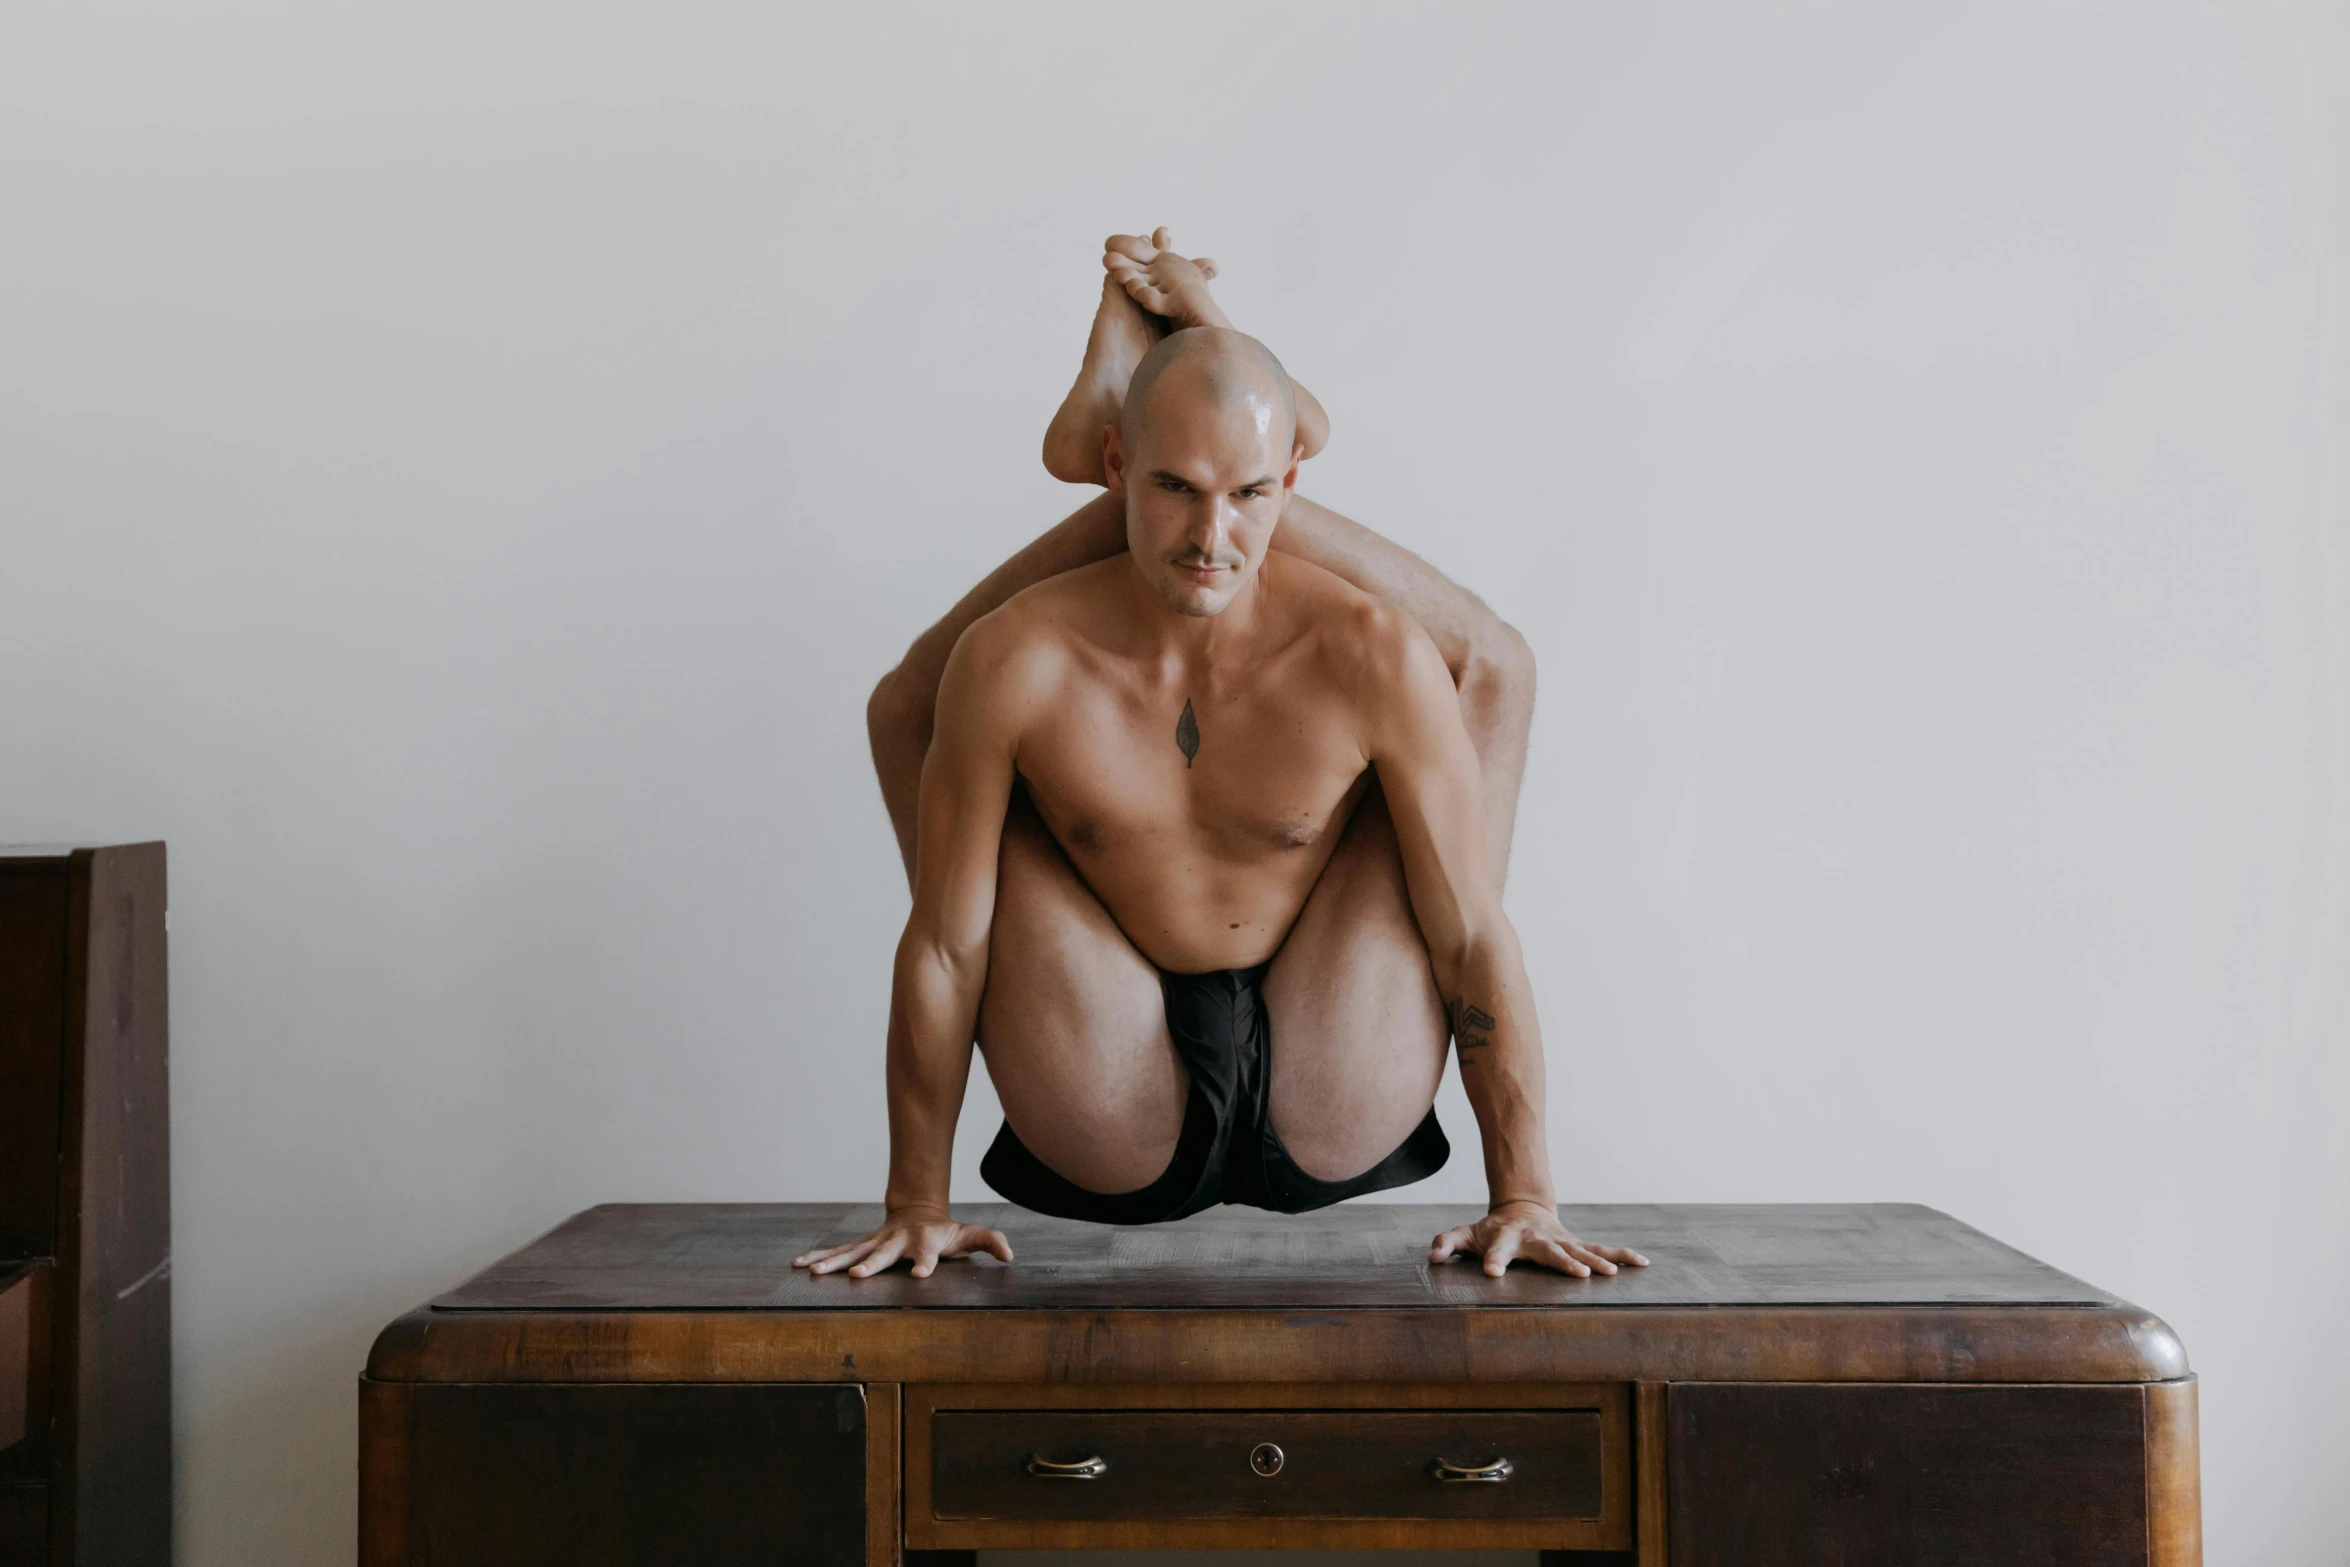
(1189, 598)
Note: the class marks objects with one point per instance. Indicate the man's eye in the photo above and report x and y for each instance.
(1251, 493)
(1173, 486)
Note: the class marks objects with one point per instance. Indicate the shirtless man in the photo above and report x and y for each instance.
(1167, 794)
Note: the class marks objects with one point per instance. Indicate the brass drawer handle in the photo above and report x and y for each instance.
(1084, 1469)
(1473, 1474)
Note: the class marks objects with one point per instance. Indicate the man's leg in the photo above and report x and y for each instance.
(1073, 1024)
(1358, 1031)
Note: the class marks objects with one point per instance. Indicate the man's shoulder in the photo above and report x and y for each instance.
(1370, 635)
(1033, 636)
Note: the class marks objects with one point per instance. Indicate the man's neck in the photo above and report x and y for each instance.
(1163, 633)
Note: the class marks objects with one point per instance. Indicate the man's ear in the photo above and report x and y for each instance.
(1113, 459)
(1297, 455)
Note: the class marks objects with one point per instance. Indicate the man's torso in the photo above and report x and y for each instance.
(1203, 840)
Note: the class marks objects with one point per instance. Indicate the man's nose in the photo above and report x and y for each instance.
(1211, 529)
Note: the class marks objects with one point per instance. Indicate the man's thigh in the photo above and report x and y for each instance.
(1358, 1029)
(1073, 1024)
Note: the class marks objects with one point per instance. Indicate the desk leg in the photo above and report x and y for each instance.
(2174, 1479)
(1648, 1472)
(882, 1526)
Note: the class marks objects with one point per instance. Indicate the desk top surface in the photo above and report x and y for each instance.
(737, 1257)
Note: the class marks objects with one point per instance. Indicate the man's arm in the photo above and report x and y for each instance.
(1429, 772)
(941, 968)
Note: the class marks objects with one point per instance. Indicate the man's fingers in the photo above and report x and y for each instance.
(891, 1248)
(1623, 1254)
(1590, 1261)
(925, 1261)
(1500, 1250)
(1556, 1255)
(841, 1256)
(1452, 1240)
(970, 1238)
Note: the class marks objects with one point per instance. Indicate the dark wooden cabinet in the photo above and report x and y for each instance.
(1829, 1386)
(1824, 1474)
(598, 1475)
(85, 1209)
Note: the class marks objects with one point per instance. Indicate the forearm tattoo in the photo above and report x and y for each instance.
(1472, 1027)
(1187, 734)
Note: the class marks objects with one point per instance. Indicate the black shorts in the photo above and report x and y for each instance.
(1228, 1150)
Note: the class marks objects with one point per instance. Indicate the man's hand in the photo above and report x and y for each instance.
(1531, 1231)
(924, 1234)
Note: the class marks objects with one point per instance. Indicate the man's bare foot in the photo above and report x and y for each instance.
(1163, 283)
(1175, 291)
(1122, 333)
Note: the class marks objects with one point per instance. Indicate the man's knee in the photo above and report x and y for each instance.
(1498, 684)
(893, 719)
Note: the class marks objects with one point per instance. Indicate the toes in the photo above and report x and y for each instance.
(1132, 246)
(1207, 267)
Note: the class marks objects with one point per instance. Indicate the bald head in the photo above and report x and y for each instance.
(1227, 370)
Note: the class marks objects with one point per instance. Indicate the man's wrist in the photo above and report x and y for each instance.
(1547, 1205)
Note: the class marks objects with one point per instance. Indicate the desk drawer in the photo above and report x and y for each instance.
(1144, 1464)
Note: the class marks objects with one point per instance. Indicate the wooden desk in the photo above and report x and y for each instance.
(1784, 1387)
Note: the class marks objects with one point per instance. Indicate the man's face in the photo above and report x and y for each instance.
(1204, 485)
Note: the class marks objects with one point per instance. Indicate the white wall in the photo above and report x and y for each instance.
(461, 467)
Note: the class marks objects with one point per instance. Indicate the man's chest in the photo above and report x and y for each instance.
(1238, 769)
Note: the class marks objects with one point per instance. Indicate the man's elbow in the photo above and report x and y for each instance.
(1497, 678)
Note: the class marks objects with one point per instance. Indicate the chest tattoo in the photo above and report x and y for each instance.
(1187, 734)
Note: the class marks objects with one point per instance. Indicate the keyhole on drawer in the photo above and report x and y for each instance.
(1266, 1459)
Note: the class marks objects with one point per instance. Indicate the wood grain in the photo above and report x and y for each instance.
(883, 1413)
(1860, 1344)
(737, 1256)
(1796, 1475)
(1650, 1422)
(2174, 1484)
(385, 1487)
(18, 1282)
(604, 1476)
(926, 1529)
(113, 1322)
(85, 1198)
(1786, 1385)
